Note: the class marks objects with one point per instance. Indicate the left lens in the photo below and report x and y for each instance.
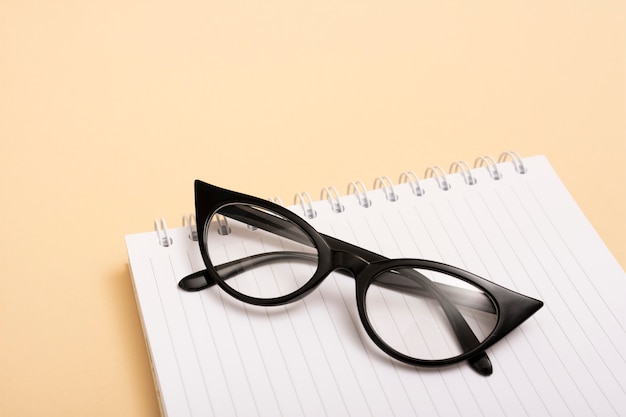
(258, 252)
(428, 315)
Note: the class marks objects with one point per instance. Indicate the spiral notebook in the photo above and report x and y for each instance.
(512, 222)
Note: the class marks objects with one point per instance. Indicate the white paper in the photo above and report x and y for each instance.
(215, 356)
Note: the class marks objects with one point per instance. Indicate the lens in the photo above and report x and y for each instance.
(428, 315)
(259, 253)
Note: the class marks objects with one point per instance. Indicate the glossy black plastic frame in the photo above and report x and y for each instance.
(511, 308)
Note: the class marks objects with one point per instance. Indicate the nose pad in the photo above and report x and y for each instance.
(349, 262)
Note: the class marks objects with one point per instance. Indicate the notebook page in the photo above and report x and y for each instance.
(213, 355)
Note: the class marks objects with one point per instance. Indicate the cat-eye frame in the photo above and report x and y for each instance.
(420, 312)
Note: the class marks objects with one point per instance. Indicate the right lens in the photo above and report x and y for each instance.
(258, 252)
(428, 315)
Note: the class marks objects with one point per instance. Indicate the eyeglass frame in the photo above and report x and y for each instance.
(511, 308)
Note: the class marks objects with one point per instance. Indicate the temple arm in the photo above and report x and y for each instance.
(459, 296)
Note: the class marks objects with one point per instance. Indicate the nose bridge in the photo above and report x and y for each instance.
(349, 261)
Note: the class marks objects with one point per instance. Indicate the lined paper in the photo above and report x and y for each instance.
(215, 356)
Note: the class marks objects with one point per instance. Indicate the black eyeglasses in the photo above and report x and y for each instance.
(420, 312)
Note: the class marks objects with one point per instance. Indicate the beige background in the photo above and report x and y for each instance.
(110, 109)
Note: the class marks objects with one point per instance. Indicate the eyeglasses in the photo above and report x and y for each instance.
(420, 312)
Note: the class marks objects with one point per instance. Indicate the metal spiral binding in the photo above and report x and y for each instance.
(491, 166)
(276, 200)
(162, 234)
(304, 199)
(520, 168)
(466, 172)
(360, 192)
(358, 189)
(190, 222)
(438, 173)
(387, 186)
(331, 194)
(222, 225)
(411, 178)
